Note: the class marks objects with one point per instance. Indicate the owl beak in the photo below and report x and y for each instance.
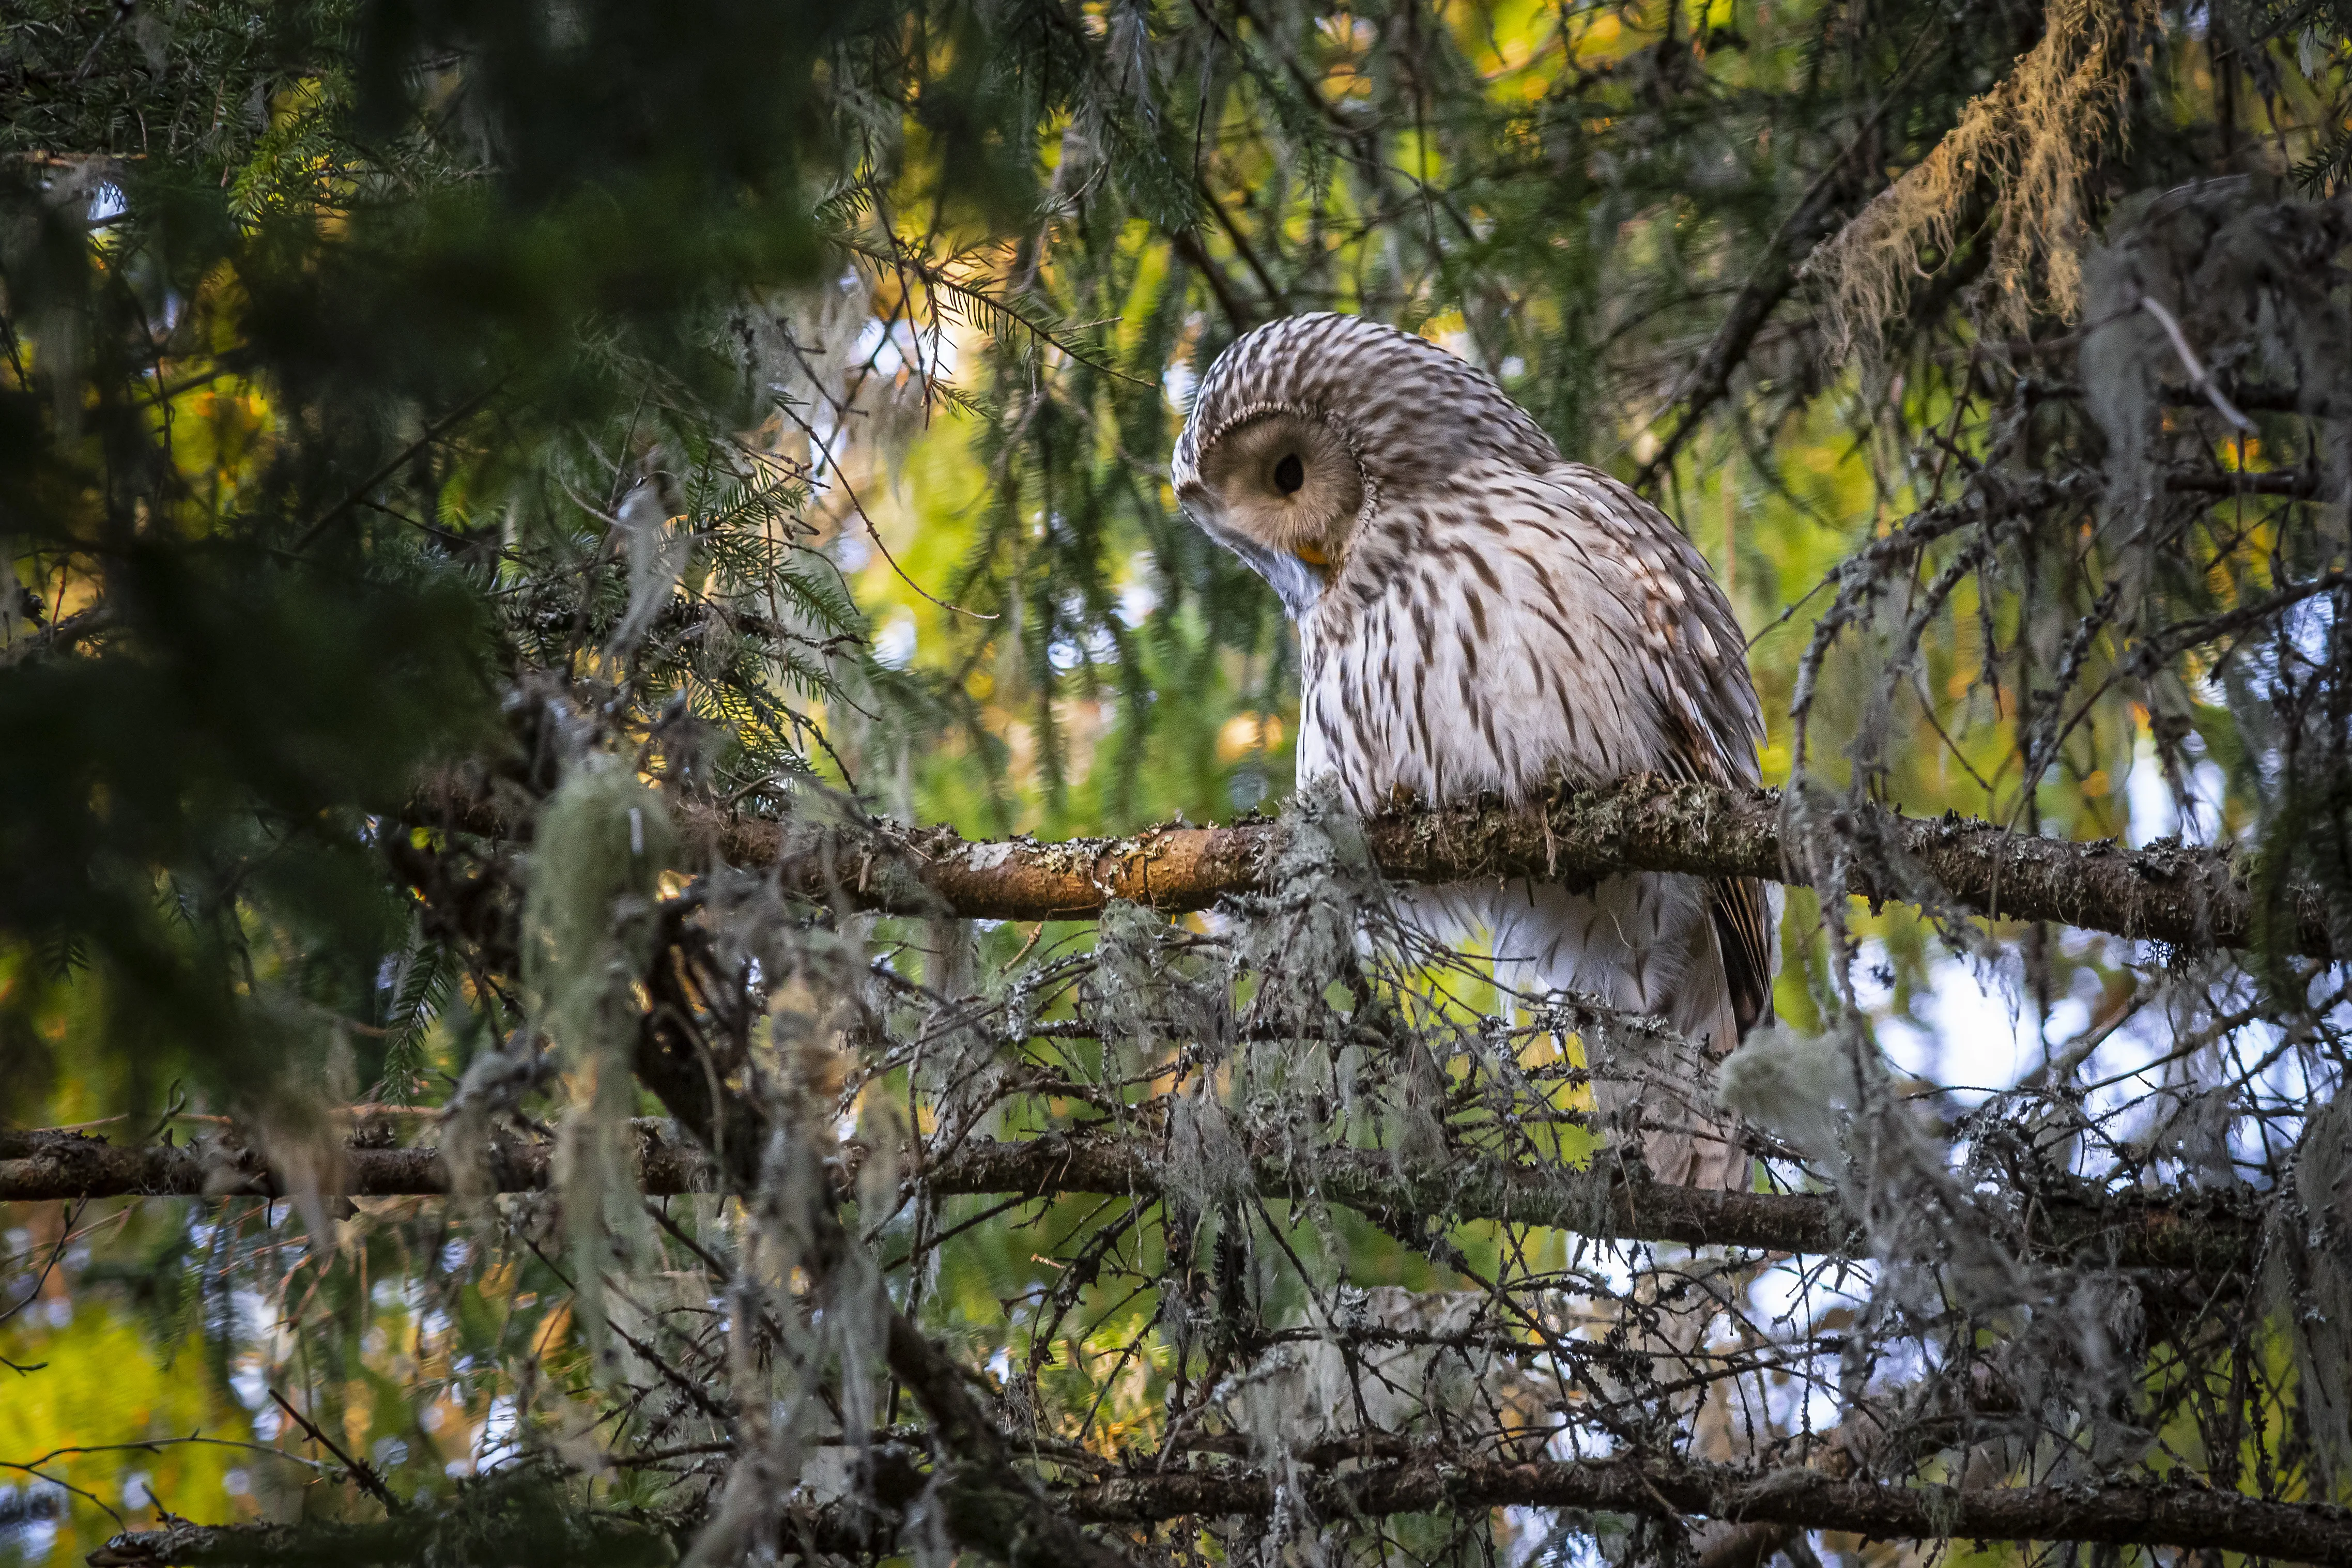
(1294, 580)
(1313, 555)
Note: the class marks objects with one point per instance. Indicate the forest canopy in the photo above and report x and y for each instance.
(655, 904)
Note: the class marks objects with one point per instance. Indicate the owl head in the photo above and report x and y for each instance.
(1308, 433)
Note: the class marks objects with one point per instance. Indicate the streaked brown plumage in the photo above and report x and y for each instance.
(1476, 614)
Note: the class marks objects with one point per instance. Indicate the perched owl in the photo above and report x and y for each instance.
(1476, 614)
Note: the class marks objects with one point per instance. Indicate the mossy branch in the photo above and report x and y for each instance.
(986, 1501)
(607, 1544)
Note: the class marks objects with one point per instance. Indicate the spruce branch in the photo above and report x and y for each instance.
(988, 1503)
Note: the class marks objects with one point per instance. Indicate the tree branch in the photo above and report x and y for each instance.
(1436, 1480)
(1827, 200)
(414, 1539)
(2191, 897)
(78, 628)
(45, 1166)
(2203, 1237)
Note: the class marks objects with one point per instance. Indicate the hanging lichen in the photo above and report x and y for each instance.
(2018, 157)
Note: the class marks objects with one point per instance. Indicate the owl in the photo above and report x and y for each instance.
(1477, 616)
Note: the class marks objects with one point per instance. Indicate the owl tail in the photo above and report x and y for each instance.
(1687, 1139)
(1707, 1154)
(1664, 1091)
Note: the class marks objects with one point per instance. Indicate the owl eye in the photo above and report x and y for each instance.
(1289, 474)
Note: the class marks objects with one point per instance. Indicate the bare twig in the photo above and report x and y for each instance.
(361, 1471)
(2198, 377)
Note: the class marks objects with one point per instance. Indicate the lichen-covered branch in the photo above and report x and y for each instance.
(2191, 897)
(2164, 1235)
(2184, 1233)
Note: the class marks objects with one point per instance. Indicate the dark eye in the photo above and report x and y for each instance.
(1289, 474)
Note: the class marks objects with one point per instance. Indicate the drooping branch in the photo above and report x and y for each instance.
(2178, 1233)
(1826, 204)
(2191, 898)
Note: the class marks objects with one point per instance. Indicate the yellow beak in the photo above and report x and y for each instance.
(1312, 554)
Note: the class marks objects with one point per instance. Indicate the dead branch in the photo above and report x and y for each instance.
(2203, 1236)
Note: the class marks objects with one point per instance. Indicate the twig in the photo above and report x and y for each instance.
(431, 432)
(359, 1470)
(2198, 377)
(872, 533)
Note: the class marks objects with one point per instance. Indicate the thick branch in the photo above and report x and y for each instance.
(2173, 1234)
(2191, 898)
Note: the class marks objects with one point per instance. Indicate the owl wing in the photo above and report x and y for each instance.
(1709, 721)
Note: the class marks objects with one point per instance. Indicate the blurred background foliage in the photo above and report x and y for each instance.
(792, 384)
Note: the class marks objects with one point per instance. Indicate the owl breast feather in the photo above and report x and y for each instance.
(1483, 643)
